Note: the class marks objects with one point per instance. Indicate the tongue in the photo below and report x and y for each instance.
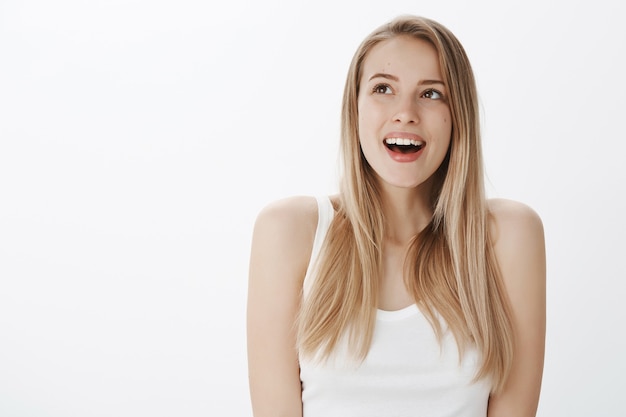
(404, 148)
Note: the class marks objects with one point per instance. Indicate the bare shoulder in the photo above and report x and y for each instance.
(288, 227)
(511, 219)
(290, 211)
(518, 240)
(295, 217)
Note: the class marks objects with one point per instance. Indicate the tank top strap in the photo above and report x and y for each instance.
(325, 215)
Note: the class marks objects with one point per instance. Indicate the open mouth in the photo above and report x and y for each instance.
(402, 145)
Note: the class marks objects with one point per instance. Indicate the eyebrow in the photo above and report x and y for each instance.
(394, 78)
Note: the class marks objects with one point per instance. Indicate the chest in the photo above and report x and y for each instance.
(407, 372)
(393, 294)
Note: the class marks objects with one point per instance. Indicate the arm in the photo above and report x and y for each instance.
(281, 247)
(520, 250)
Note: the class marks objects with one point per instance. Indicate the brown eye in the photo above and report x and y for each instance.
(381, 89)
(432, 94)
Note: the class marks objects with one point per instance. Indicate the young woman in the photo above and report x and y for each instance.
(409, 293)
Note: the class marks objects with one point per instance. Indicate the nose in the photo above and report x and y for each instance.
(406, 111)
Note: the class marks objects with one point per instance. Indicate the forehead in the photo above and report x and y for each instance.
(403, 56)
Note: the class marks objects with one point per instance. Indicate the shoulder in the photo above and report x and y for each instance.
(512, 223)
(518, 239)
(296, 215)
(284, 231)
(510, 213)
(518, 242)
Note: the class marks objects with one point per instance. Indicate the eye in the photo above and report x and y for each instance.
(432, 94)
(382, 89)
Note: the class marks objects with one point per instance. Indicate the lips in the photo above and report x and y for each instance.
(403, 142)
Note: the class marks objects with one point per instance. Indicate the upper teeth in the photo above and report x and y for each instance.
(403, 141)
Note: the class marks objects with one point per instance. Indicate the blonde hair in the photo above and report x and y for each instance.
(450, 267)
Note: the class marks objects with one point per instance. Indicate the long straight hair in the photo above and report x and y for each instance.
(450, 267)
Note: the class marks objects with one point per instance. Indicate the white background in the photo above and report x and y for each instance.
(139, 139)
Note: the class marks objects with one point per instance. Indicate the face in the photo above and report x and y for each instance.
(404, 118)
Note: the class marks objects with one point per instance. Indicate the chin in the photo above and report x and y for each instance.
(406, 182)
(403, 183)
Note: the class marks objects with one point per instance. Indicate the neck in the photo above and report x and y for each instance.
(407, 212)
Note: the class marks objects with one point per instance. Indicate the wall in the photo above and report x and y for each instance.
(138, 141)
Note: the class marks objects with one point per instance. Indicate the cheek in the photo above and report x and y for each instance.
(447, 123)
(367, 119)
(361, 112)
(363, 123)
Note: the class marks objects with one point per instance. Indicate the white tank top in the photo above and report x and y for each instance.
(407, 373)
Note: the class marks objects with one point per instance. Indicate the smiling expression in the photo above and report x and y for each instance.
(403, 113)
